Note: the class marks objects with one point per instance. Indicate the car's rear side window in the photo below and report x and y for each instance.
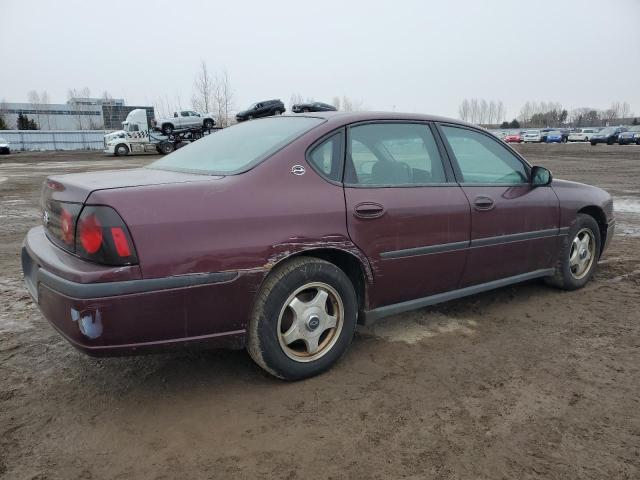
(236, 149)
(327, 158)
(392, 154)
(483, 160)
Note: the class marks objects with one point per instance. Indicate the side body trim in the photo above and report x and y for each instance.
(479, 242)
(372, 316)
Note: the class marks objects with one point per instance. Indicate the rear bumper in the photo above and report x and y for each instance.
(125, 316)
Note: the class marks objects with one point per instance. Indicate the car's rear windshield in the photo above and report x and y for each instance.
(555, 132)
(236, 149)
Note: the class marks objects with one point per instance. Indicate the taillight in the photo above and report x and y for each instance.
(103, 237)
(59, 219)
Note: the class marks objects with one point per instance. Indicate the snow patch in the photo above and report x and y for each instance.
(413, 327)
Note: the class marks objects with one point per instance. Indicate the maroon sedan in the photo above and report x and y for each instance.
(281, 234)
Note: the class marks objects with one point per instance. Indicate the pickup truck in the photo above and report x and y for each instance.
(184, 119)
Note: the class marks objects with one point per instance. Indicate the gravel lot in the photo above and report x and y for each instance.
(524, 382)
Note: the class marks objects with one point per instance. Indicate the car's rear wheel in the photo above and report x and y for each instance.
(208, 123)
(593, 144)
(277, 112)
(579, 254)
(303, 320)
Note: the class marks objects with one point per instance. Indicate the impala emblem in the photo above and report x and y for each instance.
(298, 170)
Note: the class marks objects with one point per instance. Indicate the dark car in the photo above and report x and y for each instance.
(281, 234)
(4, 146)
(313, 107)
(265, 108)
(608, 135)
(632, 135)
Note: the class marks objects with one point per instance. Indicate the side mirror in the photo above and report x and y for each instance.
(540, 177)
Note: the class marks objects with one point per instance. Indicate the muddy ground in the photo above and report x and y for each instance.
(521, 383)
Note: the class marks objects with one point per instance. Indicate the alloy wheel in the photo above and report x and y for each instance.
(310, 322)
(582, 253)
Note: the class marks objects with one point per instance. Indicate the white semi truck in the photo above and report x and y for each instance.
(137, 136)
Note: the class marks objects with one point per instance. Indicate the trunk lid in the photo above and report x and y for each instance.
(76, 187)
(63, 196)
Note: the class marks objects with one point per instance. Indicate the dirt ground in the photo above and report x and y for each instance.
(525, 382)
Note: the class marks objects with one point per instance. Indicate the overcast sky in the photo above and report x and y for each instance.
(414, 55)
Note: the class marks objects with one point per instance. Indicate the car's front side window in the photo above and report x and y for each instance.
(482, 160)
(393, 154)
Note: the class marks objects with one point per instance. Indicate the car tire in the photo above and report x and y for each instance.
(610, 142)
(121, 150)
(167, 129)
(577, 260)
(208, 123)
(291, 345)
(277, 112)
(593, 144)
(250, 117)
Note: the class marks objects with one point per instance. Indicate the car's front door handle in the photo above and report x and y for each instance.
(483, 203)
(368, 210)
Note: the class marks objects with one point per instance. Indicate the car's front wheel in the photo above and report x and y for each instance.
(579, 254)
(303, 320)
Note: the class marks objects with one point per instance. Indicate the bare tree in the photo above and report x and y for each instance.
(79, 111)
(44, 104)
(295, 98)
(625, 110)
(335, 101)
(464, 110)
(223, 98)
(203, 96)
(34, 99)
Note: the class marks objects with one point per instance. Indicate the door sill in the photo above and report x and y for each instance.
(371, 316)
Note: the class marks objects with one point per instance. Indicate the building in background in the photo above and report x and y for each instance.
(76, 114)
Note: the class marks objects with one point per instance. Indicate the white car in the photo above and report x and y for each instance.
(532, 136)
(185, 119)
(582, 134)
(4, 146)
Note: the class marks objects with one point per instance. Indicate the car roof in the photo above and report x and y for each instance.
(343, 118)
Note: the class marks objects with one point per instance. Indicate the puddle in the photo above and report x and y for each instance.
(626, 205)
(413, 327)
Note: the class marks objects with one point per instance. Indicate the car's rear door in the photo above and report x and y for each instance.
(404, 210)
(514, 226)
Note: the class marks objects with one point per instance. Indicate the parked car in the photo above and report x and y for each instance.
(532, 136)
(555, 136)
(632, 135)
(184, 119)
(582, 134)
(608, 135)
(313, 107)
(261, 109)
(4, 146)
(513, 137)
(179, 253)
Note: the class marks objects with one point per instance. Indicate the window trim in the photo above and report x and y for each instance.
(446, 163)
(456, 166)
(320, 141)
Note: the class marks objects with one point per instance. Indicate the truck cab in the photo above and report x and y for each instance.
(134, 136)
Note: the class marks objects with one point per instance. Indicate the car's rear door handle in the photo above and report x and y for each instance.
(368, 210)
(483, 203)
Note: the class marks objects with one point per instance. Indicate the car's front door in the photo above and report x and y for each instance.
(404, 210)
(514, 226)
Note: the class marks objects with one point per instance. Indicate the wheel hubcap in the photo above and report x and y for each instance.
(582, 254)
(310, 322)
